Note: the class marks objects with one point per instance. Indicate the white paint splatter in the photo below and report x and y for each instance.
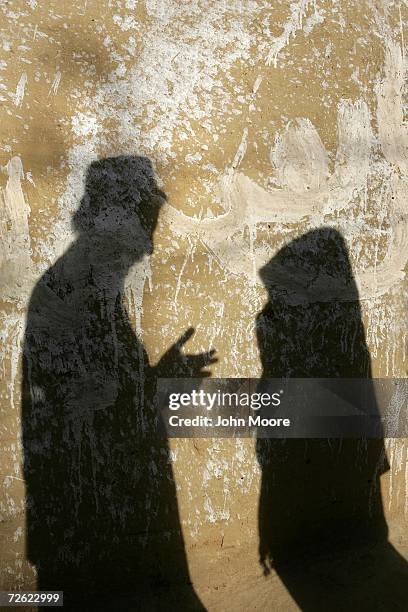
(55, 83)
(298, 12)
(308, 193)
(15, 250)
(20, 90)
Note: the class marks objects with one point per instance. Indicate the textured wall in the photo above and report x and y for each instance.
(262, 121)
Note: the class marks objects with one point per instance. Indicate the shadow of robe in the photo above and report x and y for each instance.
(320, 502)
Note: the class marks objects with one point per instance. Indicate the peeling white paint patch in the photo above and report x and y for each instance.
(307, 193)
(300, 158)
(15, 249)
(11, 336)
(298, 11)
(20, 90)
(84, 124)
(215, 515)
(193, 51)
(257, 84)
(125, 23)
(55, 83)
(18, 534)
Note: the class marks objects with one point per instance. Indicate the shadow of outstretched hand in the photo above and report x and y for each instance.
(175, 364)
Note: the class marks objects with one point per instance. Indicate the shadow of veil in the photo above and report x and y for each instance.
(102, 518)
(321, 521)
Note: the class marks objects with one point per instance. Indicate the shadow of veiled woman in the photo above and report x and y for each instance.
(102, 514)
(321, 520)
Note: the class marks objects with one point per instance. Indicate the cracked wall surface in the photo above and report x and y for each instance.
(262, 121)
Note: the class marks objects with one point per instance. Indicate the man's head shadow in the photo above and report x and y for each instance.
(119, 210)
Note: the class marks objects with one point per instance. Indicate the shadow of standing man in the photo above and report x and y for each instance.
(102, 517)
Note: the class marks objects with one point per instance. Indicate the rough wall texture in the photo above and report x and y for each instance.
(262, 121)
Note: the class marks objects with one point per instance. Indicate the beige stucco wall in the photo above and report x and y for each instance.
(280, 116)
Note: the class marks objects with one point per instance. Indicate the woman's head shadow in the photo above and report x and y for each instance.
(313, 302)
